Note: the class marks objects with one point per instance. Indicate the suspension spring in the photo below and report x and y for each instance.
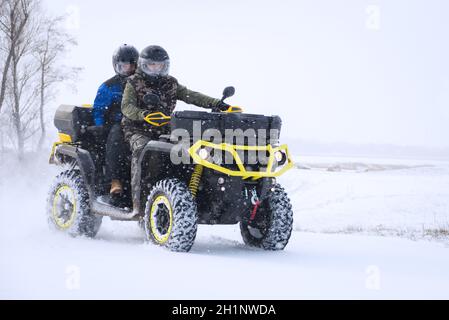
(195, 179)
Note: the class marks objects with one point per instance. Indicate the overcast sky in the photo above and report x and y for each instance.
(352, 71)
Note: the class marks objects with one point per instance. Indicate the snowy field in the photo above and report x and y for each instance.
(354, 221)
(382, 196)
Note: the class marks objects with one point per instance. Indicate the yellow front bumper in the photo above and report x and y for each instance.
(241, 171)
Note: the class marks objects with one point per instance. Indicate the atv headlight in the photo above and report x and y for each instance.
(280, 157)
(203, 153)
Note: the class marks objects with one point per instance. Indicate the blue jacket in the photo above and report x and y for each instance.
(107, 104)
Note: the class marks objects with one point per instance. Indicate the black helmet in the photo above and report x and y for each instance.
(122, 57)
(154, 61)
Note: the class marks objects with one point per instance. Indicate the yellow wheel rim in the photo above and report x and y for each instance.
(161, 219)
(64, 207)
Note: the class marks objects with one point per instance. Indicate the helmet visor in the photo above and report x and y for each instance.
(154, 68)
(125, 68)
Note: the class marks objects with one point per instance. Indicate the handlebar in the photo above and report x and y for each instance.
(231, 109)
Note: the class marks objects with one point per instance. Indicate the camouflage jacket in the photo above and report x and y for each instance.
(169, 91)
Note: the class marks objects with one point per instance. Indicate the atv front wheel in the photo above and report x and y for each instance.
(171, 215)
(68, 206)
(274, 222)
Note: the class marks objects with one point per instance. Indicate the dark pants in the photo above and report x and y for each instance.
(117, 154)
(137, 142)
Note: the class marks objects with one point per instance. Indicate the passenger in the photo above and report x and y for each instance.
(107, 116)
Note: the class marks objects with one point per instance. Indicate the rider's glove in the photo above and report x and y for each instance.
(222, 106)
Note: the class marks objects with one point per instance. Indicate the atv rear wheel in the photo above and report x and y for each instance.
(171, 215)
(68, 207)
(274, 222)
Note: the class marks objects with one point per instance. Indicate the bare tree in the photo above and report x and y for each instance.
(14, 16)
(23, 95)
(31, 50)
(4, 124)
(51, 47)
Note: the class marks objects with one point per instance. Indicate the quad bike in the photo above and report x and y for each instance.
(177, 196)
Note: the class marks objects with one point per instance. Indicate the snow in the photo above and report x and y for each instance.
(118, 263)
(403, 196)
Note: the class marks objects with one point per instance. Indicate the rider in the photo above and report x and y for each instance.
(107, 115)
(152, 78)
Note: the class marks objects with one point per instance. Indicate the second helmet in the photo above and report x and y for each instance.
(124, 60)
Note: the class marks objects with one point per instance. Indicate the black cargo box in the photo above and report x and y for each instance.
(73, 120)
(222, 121)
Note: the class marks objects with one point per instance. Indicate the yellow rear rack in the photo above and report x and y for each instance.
(63, 138)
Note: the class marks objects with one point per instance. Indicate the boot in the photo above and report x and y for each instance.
(116, 187)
